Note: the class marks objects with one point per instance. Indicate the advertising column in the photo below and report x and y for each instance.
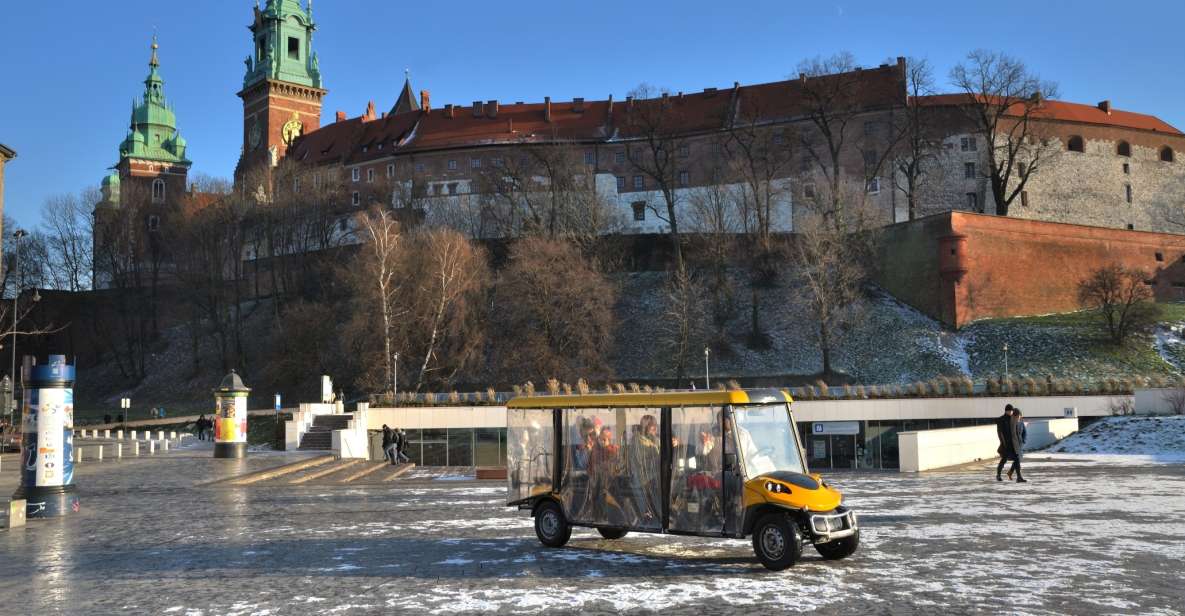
(230, 418)
(47, 461)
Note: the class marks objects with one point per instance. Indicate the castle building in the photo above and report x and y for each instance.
(148, 181)
(6, 154)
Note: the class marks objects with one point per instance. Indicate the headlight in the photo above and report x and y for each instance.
(776, 488)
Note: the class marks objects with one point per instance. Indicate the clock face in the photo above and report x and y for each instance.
(292, 129)
(254, 134)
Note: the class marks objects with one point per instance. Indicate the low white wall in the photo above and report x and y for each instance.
(1045, 432)
(352, 442)
(923, 450)
(302, 418)
(419, 417)
(1158, 401)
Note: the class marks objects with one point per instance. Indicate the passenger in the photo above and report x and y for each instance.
(644, 469)
(389, 443)
(587, 442)
(604, 469)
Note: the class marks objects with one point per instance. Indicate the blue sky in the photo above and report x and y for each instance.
(71, 68)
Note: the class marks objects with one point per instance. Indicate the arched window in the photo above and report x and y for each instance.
(1166, 154)
(1075, 144)
(1124, 148)
(158, 191)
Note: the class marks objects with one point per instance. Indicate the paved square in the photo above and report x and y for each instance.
(1085, 537)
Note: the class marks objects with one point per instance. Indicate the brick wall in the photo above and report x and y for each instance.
(960, 267)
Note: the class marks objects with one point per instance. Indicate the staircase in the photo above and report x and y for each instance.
(320, 435)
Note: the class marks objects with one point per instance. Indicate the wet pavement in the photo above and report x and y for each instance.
(1084, 537)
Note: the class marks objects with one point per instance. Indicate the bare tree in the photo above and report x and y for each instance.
(683, 325)
(1122, 299)
(552, 314)
(916, 158)
(380, 264)
(833, 257)
(1005, 105)
(66, 224)
(655, 129)
(715, 216)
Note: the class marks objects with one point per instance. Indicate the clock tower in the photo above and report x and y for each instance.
(282, 86)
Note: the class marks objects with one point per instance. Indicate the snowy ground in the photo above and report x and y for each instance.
(1153, 438)
(1073, 541)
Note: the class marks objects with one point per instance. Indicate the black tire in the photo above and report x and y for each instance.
(613, 533)
(839, 548)
(551, 527)
(776, 541)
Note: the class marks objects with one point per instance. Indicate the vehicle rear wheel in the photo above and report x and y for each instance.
(839, 548)
(550, 526)
(613, 533)
(776, 541)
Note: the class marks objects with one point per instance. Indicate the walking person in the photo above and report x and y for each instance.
(1002, 427)
(389, 444)
(402, 445)
(1019, 433)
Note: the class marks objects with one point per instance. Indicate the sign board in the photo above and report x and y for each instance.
(277, 402)
(820, 449)
(1070, 411)
(836, 427)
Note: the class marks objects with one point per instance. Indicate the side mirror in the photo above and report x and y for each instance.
(730, 461)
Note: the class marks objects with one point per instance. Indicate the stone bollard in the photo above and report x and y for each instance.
(136, 448)
(119, 434)
(160, 435)
(119, 450)
(151, 447)
(100, 458)
(164, 445)
(173, 436)
(77, 455)
(16, 512)
(106, 433)
(133, 435)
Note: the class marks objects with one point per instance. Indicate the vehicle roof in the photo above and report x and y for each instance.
(655, 399)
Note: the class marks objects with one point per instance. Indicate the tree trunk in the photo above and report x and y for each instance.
(825, 347)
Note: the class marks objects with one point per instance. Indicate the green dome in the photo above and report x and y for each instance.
(111, 180)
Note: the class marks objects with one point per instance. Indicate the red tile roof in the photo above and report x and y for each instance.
(588, 121)
(1073, 112)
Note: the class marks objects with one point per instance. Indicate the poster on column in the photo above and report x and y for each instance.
(228, 418)
(51, 411)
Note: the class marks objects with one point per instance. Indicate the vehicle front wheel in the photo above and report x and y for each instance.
(550, 526)
(839, 548)
(776, 541)
(612, 533)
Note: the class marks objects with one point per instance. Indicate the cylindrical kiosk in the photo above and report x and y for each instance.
(230, 418)
(47, 446)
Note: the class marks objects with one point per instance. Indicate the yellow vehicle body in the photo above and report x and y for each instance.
(707, 463)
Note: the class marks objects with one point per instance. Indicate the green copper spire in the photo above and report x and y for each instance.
(153, 134)
(283, 32)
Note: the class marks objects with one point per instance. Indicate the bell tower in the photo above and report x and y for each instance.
(282, 86)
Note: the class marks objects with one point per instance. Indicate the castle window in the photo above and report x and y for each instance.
(496, 161)
(639, 182)
(778, 138)
(1131, 227)
(452, 188)
(153, 223)
(370, 175)
(968, 144)
(295, 185)
(419, 167)
(1128, 189)
(475, 163)
(619, 156)
(390, 170)
(316, 180)
(1166, 154)
(1024, 198)
(873, 186)
(972, 202)
(684, 178)
(969, 171)
(293, 48)
(1075, 144)
(355, 174)
(1127, 169)
(1021, 169)
(620, 183)
(808, 190)
(590, 157)
(341, 224)
(1123, 149)
(1160, 256)
(355, 198)
(158, 191)
(684, 150)
(639, 210)
(452, 165)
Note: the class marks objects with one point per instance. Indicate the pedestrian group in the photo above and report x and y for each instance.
(394, 443)
(1012, 434)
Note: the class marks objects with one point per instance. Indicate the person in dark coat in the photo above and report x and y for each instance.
(1018, 434)
(400, 446)
(389, 444)
(1002, 427)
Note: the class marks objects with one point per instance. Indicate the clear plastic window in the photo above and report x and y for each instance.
(696, 473)
(766, 439)
(529, 455)
(612, 467)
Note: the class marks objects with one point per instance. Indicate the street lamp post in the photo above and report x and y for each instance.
(17, 235)
(707, 380)
(1006, 360)
(395, 380)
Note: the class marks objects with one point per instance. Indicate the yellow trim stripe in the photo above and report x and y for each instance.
(646, 400)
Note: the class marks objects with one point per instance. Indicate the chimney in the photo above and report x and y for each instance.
(547, 108)
(477, 109)
(802, 78)
(609, 112)
(383, 115)
(510, 125)
(666, 99)
(425, 101)
(492, 108)
(1105, 106)
(710, 92)
(341, 116)
(1038, 98)
(629, 103)
(578, 105)
(448, 110)
(369, 115)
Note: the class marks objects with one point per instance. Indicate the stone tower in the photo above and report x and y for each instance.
(151, 175)
(282, 86)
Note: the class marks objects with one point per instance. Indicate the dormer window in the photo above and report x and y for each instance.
(1166, 154)
(1075, 144)
(158, 191)
(1123, 149)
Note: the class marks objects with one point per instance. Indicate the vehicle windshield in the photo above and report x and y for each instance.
(766, 439)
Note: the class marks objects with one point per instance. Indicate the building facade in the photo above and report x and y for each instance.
(6, 154)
